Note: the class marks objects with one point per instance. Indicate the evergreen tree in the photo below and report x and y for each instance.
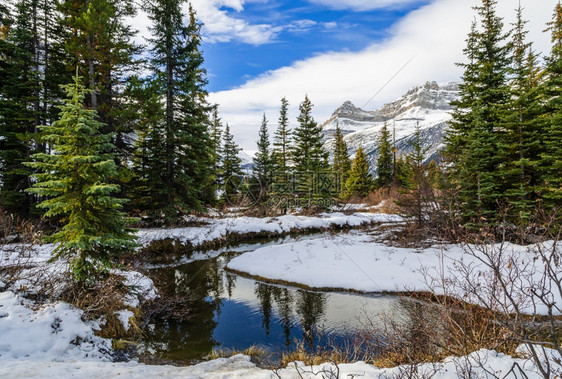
(403, 174)
(263, 161)
(98, 40)
(360, 182)
(280, 180)
(522, 146)
(281, 140)
(215, 138)
(18, 106)
(308, 153)
(479, 120)
(177, 68)
(148, 185)
(419, 188)
(76, 178)
(385, 161)
(231, 170)
(551, 158)
(342, 164)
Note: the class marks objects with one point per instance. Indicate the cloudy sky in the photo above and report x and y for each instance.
(257, 51)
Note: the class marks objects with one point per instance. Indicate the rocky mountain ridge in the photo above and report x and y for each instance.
(428, 105)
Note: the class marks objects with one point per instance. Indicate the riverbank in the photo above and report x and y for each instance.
(355, 263)
(213, 232)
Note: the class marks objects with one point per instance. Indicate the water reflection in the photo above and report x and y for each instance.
(232, 312)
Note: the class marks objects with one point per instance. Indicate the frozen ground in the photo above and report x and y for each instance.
(354, 262)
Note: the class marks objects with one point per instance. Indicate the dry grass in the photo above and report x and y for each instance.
(430, 332)
(103, 300)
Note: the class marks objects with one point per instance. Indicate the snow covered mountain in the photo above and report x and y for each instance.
(429, 105)
(247, 160)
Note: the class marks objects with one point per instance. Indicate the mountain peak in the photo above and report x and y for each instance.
(349, 110)
(430, 96)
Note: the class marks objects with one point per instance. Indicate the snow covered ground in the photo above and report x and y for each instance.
(354, 262)
(53, 341)
(220, 228)
(482, 364)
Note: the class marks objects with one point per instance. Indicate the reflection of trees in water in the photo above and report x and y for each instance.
(194, 282)
(309, 306)
(202, 285)
(284, 301)
(265, 294)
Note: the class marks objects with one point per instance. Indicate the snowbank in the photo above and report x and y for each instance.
(354, 262)
(52, 332)
(481, 364)
(220, 228)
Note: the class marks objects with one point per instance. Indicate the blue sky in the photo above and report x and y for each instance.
(305, 30)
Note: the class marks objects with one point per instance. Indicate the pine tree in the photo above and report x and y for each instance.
(479, 121)
(148, 184)
(384, 162)
(262, 160)
(403, 174)
(231, 171)
(215, 139)
(308, 154)
(551, 159)
(177, 68)
(281, 140)
(76, 179)
(342, 164)
(18, 107)
(360, 182)
(280, 180)
(419, 188)
(98, 40)
(522, 146)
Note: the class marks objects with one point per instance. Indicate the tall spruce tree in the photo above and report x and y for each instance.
(215, 138)
(282, 139)
(263, 160)
(479, 120)
(231, 171)
(177, 68)
(384, 161)
(147, 187)
(550, 166)
(19, 110)
(308, 154)
(342, 164)
(360, 181)
(522, 146)
(99, 41)
(76, 181)
(419, 185)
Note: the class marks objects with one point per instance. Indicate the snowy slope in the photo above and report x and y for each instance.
(429, 105)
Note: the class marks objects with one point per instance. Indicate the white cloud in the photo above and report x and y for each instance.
(363, 5)
(434, 34)
(220, 26)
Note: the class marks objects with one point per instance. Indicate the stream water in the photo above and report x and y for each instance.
(229, 311)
